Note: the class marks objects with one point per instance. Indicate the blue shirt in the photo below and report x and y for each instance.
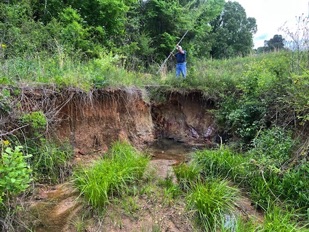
(180, 58)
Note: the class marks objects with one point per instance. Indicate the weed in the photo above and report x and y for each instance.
(171, 190)
(272, 147)
(295, 187)
(130, 205)
(5, 101)
(37, 122)
(155, 228)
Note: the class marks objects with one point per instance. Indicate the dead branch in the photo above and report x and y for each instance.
(12, 131)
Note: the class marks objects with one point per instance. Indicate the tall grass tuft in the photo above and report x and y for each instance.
(222, 163)
(187, 175)
(110, 176)
(212, 202)
(277, 219)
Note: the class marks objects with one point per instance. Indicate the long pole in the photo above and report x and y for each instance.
(162, 65)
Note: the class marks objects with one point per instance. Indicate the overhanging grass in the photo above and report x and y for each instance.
(110, 176)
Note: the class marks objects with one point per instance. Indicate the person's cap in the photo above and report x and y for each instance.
(179, 47)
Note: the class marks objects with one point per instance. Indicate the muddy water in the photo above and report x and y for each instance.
(167, 153)
(169, 149)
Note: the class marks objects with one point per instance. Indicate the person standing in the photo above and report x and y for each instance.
(181, 66)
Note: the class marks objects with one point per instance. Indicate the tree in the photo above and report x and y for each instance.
(199, 38)
(165, 22)
(110, 14)
(232, 32)
(19, 32)
(276, 43)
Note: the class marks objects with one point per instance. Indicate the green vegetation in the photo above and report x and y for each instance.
(51, 162)
(264, 178)
(277, 219)
(212, 201)
(256, 97)
(15, 173)
(15, 178)
(261, 102)
(111, 176)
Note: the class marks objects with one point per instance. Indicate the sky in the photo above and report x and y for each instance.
(270, 15)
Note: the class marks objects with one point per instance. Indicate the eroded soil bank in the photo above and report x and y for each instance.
(92, 121)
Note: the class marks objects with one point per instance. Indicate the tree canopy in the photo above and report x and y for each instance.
(145, 32)
(274, 44)
(232, 32)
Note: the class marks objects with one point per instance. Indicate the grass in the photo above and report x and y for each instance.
(222, 163)
(266, 183)
(170, 190)
(64, 71)
(277, 219)
(111, 176)
(212, 201)
(187, 175)
(51, 162)
(212, 76)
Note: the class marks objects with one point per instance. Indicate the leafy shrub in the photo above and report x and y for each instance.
(110, 176)
(36, 120)
(272, 147)
(265, 76)
(212, 201)
(15, 173)
(243, 117)
(300, 98)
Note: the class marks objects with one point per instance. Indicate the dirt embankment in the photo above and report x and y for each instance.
(93, 121)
